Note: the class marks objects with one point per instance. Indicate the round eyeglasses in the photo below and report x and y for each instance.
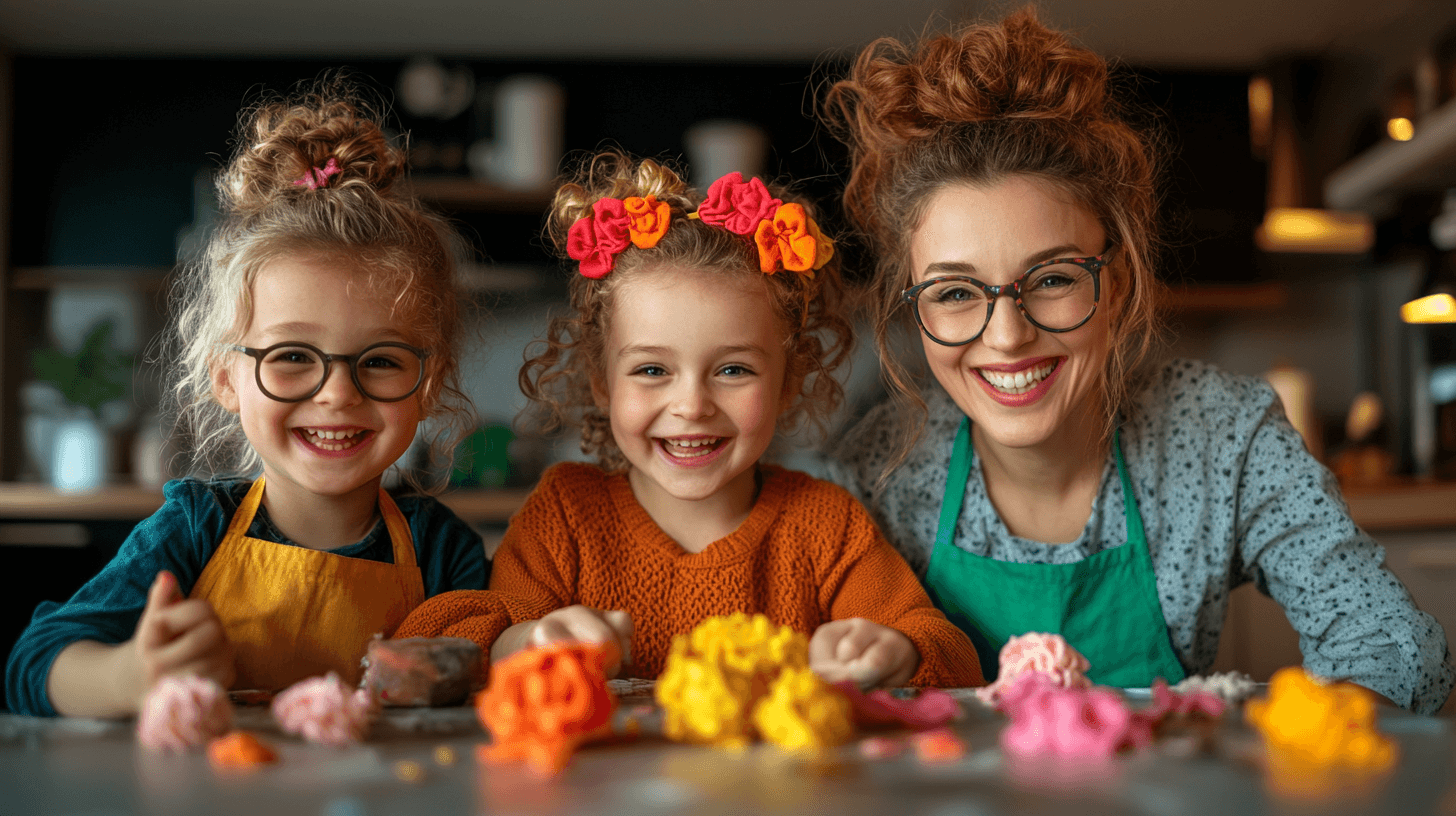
(293, 372)
(1056, 296)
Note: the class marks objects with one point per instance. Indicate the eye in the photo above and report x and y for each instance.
(1058, 276)
(650, 370)
(735, 370)
(291, 355)
(380, 361)
(954, 292)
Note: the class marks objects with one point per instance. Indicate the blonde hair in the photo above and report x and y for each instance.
(975, 107)
(360, 217)
(558, 377)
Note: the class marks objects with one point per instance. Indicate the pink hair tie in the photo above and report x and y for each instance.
(317, 177)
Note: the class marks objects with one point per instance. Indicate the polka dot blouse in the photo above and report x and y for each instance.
(1228, 494)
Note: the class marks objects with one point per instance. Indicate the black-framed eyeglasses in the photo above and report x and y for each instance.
(1058, 295)
(293, 372)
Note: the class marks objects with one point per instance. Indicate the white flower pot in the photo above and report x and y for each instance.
(80, 456)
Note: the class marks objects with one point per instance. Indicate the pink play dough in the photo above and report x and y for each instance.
(324, 710)
(1039, 653)
(183, 712)
(1049, 719)
(929, 709)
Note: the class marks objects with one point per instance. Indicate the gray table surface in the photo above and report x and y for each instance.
(77, 767)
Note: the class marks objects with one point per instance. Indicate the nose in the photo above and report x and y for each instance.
(691, 399)
(1008, 329)
(338, 390)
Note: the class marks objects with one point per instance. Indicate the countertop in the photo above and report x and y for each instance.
(75, 766)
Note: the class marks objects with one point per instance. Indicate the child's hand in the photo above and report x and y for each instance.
(178, 635)
(572, 624)
(862, 651)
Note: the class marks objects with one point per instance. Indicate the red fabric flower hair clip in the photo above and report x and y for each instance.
(785, 235)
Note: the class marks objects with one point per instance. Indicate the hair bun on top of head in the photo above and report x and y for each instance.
(328, 138)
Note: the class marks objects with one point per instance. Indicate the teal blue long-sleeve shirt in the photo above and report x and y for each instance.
(181, 538)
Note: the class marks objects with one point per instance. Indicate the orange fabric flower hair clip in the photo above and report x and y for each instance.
(786, 237)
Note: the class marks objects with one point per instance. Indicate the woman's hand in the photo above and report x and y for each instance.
(862, 651)
(572, 624)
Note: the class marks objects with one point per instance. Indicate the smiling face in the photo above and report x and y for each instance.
(1021, 386)
(693, 383)
(337, 442)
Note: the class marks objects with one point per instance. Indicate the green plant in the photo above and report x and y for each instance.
(91, 377)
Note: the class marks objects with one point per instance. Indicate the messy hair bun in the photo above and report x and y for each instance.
(558, 376)
(315, 175)
(976, 106)
(285, 140)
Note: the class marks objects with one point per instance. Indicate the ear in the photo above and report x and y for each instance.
(222, 387)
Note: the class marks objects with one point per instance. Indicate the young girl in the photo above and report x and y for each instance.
(700, 327)
(318, 331)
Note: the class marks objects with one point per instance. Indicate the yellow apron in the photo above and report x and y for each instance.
(292, 612)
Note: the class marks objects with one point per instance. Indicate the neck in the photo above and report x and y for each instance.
(696, 523)
(322, 522)
(1044, 492)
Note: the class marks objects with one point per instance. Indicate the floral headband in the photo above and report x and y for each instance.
(786, 237)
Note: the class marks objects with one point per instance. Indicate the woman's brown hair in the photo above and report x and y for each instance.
(559, 371)
(984, 103)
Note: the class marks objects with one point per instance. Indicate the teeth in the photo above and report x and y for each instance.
(321, 438)
(1021, 381)
(689, 448)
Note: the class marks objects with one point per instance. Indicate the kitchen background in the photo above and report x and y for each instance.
(1309, 151)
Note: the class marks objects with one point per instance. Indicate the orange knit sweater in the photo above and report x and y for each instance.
(807, 553)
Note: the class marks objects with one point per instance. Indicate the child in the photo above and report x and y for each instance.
(317, 332)
(700, 327)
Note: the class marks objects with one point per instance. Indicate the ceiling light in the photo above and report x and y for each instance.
(1400, 129)
(1301, 229)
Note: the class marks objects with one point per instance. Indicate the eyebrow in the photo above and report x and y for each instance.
(966, 268)
(656, 351)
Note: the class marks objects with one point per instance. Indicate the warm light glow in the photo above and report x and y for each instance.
(1296, 229)
(1400, 129)
(1261, 113)
(1430, 309)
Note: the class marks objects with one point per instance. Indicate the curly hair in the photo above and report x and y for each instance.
(974, 107)
(361, 218)
(559, 370)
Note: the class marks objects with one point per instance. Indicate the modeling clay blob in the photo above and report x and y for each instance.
(239, 751)
(802, 711)
(422, 671)
(1327, 724)
(718, 672)
(183, 712)
(930, 708)
(1040, 653)
(1049, 719)
(543, 703)
(324, 710)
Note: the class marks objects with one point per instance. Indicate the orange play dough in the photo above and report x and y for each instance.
(239, 749)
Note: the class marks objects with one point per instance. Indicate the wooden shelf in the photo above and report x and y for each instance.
(24, 500)
(1225, 298)
(41, 278)
(461, 193)
(1373, 180)
(1403, 505)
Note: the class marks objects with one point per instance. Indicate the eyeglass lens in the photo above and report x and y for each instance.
(1056, 297)
(382, 372)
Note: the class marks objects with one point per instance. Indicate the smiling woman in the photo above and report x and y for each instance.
(1052, 476)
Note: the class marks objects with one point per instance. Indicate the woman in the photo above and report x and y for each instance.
(1051, 477)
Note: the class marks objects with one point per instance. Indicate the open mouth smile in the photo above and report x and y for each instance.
(695, 447)
(1020, 382)
(332, 440)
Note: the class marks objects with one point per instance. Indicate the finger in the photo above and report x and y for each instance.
(201, 648)
(621, 623)
(824, 643)
(151, 632)
(858, 637)
(183, 616)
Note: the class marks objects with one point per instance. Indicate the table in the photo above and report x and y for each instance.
(95, 768)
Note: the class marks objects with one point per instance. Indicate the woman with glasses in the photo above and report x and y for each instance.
(318, 332)
(1049, 475)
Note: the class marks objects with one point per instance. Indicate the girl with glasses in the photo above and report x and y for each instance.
(700, 326)
(1051, 475)
(315, 335)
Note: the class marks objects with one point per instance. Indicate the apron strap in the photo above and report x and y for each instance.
(960, 471)
(243, 518)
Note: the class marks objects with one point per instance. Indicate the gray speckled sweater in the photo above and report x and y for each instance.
(1227, 493)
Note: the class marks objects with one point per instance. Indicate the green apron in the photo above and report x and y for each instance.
(1106, 605)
